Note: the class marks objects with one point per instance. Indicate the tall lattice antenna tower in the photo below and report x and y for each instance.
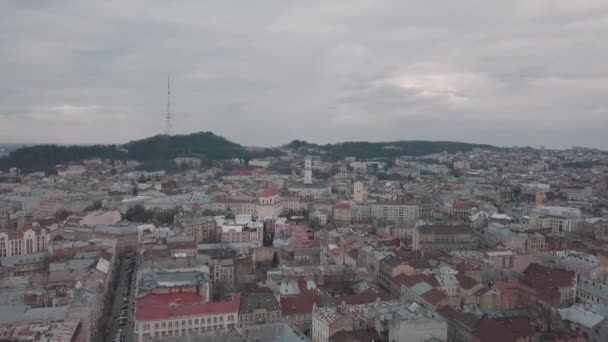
(168, 117)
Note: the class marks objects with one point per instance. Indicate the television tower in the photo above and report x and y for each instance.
(168, 117)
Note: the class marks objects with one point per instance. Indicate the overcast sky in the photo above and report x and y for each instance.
(259, 72)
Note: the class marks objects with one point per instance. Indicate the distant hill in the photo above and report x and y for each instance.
(45, 157)
(158, 152)
(155, 152)
(391, 149)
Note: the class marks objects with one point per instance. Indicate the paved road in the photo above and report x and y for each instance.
(119, 303)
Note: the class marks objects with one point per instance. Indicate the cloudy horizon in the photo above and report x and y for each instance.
(523, 72)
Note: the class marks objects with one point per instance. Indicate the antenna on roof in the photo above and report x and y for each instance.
(168, 116)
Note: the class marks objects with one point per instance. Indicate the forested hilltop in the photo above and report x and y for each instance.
(158, 152)
(155, 152)
(390, 149)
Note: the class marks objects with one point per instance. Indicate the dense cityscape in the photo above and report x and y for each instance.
(303, 171)
(485, 244)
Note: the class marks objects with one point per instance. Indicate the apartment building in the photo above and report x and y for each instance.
(443, 237)
(239, 206)
(259, 308)
(577, 193)
(392, 212)
(241, 229)
(23, 242)
(342, 213)
(202, 228)
(182, 314)
(557, 219)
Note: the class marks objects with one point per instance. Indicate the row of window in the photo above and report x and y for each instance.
(190, 322)
(183, 332)
(16, 246)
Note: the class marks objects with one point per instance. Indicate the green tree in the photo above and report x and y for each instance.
(62, 214)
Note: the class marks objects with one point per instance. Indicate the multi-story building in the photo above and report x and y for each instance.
(361, 214)
(270, 203)
(259, 308)
(591, 292)
(359, 193)
(23, 242)
(239, 206)
(555, 287)
(342, 213)
(392, 212)
(390, 267)
(577, 193)
(242, 229)
(460, 210)
(294, 203)
(497, 233)
(202, 228)
(297, 310)
(326, 322)
(425, 207)
(174, 282)
(557, 219)
(126, 235)
(182, 314)
(319, 216)
(409, 322)
(370, 258)
(49, 206)
(443, 237)
(222, 271)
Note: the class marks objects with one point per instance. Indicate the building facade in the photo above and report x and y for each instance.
(443, 237)
(182, 314)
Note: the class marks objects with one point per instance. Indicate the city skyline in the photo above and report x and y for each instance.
(518, 73)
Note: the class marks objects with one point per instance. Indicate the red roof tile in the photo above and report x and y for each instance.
(465, 281)
(299, 305)
(504, 329)
(240, 172)
(269, 191)
(544, 278)
(163, 306)
(433, 297)
(342, 205)
(365, 297)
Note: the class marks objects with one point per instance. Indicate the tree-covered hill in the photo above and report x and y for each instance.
(45, 157)
(203, 145)
(155, 152)
(391, 149)
(158, 152)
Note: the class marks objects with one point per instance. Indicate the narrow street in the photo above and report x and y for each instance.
(122, 320)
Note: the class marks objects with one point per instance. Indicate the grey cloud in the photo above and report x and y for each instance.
(525, 72)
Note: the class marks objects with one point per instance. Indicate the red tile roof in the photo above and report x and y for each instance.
(171, 305)
(434, 297)
(504, 329)
(240, 172)
(544, 278)
(299, 305)
(465, 281)
(269, 191)
(342, 205)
